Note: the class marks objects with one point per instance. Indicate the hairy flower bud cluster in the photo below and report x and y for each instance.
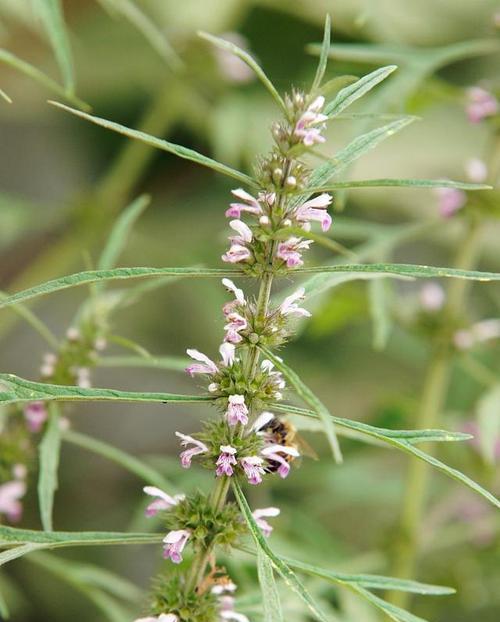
(16, 456)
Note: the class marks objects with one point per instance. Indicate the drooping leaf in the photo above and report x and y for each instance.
(94, 276)
(351, 93)
(32, 72)
(270, 596)
(281, 567)
(405, 441)
(146, 26)
(323, 57)
(124, 459)
(49, 451)
(305, 393)
(164, 145)
(51, 14)
(230, 47)
(20, 390)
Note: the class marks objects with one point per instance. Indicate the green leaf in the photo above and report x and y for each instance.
(51, 14)
(120, 232)
(375, 582)
(395, 613)
(405, 441)
(171, 363)
(354, 150)
(410, 270)
(146, 26)
(49, 451)
(18, 551)
(270, 596)
(398, 183)
(42, 329)
(21, 390)
(351, 93)
(37, 75)
(110, 452)
(164, 145)
(94, 276)
(323, 57)
(488, 419)
(305, 393)
(56, 539)
(281, 567)
(4, 608)
(230, 47)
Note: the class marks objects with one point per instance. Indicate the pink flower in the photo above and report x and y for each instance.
(163, 617)
(174, 543)
(236, 322)
(480, 104)
(163, 501)
(289, 251)
(227, 611)
(239, 297)
(243, 230)
(10, 495)
(432, 297)
(220, 588)
(476, 170)
(236, 253)
(477, 333)
(260, 520)
(237, 411)
(262, 420)
(272, 453)
(207, 366)
(36, 415)
(315, 209)
(290, 307)
(225, 461)
(252, 465)
(250, 204)
(83, 377)
(304, 128)
(227, 351)
(268, 366)
(197, 448)
(450, 200)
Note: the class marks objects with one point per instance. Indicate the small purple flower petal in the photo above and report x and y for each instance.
(174, 543)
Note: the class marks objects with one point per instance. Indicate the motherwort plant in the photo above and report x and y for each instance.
(274, 217)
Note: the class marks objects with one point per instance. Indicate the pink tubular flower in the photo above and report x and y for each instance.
(304, 128)
(163, 501)
(225, 461)
(290, 307)
(477, 333)
(450, 200)
(262, 420)
(272, 453)
(289, 251)
(236, 322)
(237, 411)
(252, 466)
(36, 415)
(174, 543)
(243, 230)
(432, 297)
(250, 204)
(227, 351)
(268, 366)
(197, 448)
(10, 495)
(207, 366)
(476, 170)
(239, 297)
(236, 253)
(480, 104)
(163, 617)
(315, 209)
(260, 515)
(227, 611)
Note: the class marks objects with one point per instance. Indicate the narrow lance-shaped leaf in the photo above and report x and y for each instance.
(286, 573)
(164, 145)
(118, 456)
(19, 551)
(171, 363)
(20, 390)
(37, 75)
(397, 183)
(323, 57)
(270, 596)
(351, 93)
(405, 441)
(94, 276)
(305, 393)
(379, 296)
(230, 47)
(51, 14)
(395, 613)
(49, 451)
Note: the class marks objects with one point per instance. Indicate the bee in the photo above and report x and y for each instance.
(282, 432)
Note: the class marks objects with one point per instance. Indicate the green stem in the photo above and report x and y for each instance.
(434, 391)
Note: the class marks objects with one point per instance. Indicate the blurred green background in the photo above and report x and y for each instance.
(62, 182)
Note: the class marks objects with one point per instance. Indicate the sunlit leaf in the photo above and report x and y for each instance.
(305, 393)
(230, 47)
(323, 57)
(49, 451)
(270, 596)
(164, 145)
(399, 183)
